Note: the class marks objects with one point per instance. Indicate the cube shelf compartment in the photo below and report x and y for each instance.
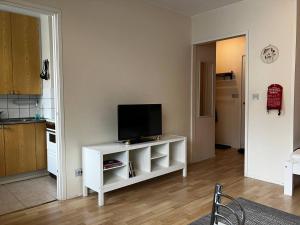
(120, 156)
(113, 176)
(176, 155)
(113, 167)
(157, 155)
(140, 160)
(150, 159)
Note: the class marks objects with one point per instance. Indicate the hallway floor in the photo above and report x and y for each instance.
(25, 194)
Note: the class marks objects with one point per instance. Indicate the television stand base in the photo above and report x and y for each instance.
(141, 140)
(148, 160)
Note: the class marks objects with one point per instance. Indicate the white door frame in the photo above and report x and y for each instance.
(56, 47)
(192, 122)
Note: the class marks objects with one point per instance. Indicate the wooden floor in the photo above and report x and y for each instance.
(169, 199)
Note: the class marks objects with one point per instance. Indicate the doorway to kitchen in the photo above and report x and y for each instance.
(218, 98)
(32, 168)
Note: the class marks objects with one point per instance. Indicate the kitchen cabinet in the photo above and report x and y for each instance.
(25, 54)
(2, 155)
(41, 146)
(5, 54)
(20, 54)
(20, 156)
(24, 148)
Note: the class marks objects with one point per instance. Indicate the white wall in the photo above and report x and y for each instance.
(118, 52)
(270, 137)
(297, 87)
(46, 100)
(229, 55)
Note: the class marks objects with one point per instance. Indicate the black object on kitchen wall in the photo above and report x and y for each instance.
(45, 70)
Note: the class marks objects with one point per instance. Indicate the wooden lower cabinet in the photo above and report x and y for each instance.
(40, 146)
(25, 148)
(2, 155)
(19, 142)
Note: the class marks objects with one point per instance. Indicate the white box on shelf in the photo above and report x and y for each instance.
(150, 159)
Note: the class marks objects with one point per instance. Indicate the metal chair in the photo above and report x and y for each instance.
(217, 205)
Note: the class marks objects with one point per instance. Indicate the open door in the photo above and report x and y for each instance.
(242, 145)
(203, 102)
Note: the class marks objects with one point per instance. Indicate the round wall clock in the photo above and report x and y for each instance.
(269, 54)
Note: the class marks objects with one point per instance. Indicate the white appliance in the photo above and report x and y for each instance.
(51, 148)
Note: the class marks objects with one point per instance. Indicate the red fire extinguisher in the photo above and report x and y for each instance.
(275, 98)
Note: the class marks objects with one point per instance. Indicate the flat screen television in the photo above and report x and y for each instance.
(139, 121)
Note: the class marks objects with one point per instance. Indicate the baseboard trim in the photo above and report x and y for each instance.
(202, 159)
(264, 179)
(23, 176)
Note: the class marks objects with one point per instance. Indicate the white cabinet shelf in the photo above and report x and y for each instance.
(114, 167)
(150, 159)
(157, 155)
(139, 173)
(156, 167)
(111, 179)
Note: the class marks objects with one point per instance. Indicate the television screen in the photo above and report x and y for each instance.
(137, 121)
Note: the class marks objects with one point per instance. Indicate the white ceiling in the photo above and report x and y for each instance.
(191, 7)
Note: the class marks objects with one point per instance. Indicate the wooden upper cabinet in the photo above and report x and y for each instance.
(5, 54)
(20, 154)
(2, 154)
(40, 143)
(25, 36)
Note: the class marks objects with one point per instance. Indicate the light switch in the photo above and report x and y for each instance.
(255, 96)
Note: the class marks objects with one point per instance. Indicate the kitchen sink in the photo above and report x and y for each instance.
(19, 120)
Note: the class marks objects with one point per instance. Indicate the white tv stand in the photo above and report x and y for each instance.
(150, 159)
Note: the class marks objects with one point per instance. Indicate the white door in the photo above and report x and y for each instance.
(203, 102)
(242, 145)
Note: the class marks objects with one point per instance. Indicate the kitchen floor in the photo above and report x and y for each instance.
(25, 194)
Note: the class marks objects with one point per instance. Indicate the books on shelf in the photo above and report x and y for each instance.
(131, 169)
(109, 164)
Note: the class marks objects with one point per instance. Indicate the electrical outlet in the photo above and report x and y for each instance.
(78, 172)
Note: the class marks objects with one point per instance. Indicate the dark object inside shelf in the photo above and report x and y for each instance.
(225, 75)
(241, 151)
(109, 164)
(220, 146)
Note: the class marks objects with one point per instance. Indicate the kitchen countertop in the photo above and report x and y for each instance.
(21, 121)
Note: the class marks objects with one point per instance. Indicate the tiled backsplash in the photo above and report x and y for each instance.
(18, 106)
